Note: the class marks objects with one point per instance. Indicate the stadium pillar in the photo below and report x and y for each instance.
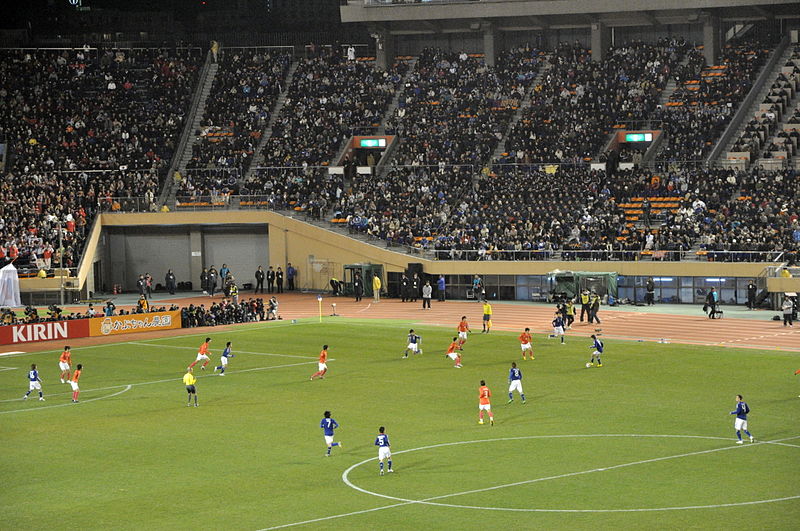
(711, 37)
(489, 44)
(384, 48)
(196, 258)
(601, 40)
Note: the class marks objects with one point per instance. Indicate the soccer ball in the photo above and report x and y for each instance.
(588, 365)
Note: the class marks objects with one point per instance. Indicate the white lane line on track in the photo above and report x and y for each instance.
(127, 388)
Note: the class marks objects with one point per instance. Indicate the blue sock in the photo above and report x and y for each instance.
(510, 396)
(523, 397)
(41, 395)
(390, 464)
(329, 450)
(739, 434)
(334, 444)
(26, 394)
(381, 466)
(748, 433)
(222, 371)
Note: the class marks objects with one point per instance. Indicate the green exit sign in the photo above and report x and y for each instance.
(373, 142)
(639, 137)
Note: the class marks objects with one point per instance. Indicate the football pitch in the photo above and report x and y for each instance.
(646, 441)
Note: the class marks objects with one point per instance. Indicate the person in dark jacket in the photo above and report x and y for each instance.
(169, 281)
(204, 280)
(751, 295)
(358, 286)
(404, 287)
(279, 279)
(259, 279)
(416, 286)
(212, 280)
(270, 280)
(650, 296)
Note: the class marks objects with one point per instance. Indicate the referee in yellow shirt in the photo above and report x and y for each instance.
(487, 317)
(189, 380)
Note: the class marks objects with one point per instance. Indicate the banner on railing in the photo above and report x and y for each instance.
(137, 322)
(28, 333)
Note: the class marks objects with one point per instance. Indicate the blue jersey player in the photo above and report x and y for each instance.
(515, 383)
(223, 361)
(740, 424)
(34, 383)
(414, 342)
(382, 442)
(598, 346)
(558, 327)
(328, 425)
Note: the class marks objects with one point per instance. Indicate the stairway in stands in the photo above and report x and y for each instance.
(523, 106)
(754, 109)
(412, 64)
(188, 136)
(267, 134)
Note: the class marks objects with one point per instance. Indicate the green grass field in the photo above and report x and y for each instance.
(592, 448)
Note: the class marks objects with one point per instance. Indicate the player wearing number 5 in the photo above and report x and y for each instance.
(382, 442)
(740, 424)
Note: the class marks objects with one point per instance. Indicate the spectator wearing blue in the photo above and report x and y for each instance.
(440, 287)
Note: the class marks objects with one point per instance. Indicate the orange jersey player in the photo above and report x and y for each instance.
(484, 394)
(65, 363)
(323, 363)
(463, 329)
(202, 354)
(74, 383)
(525, 343)
(452, 352)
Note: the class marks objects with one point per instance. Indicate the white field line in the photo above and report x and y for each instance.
(429, 501)
(175, 380)
(8, 369)
(236, 351)
(127, 388)
(12, 352)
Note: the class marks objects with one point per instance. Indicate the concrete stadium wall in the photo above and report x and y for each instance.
(319, 253)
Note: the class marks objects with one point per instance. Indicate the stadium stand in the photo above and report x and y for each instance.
(237, 111)
(84, 128)
(705, 101)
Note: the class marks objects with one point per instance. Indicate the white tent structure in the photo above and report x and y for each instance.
(9, 287)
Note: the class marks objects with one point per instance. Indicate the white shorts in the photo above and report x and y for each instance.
(462, 335)
(515, 385)
(384, 453)
(740, 424)
(413, 346)
(525, 346)
(453, 356)
(558, 330)
(63, 365)
(597, 353)
(484, 407)
(223, 361)
(202, 357)
(328, 439)
(36, 385)
(74, 385)
(322, 366)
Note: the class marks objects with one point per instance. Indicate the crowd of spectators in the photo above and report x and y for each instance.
(455, 109)
(330, 99)
(82, 128)
(701, 107)
(579, 100)
(237, 111)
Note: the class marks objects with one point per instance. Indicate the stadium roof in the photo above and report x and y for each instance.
(456, 16)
